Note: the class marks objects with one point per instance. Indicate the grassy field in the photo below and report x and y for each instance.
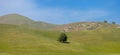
(16, 40)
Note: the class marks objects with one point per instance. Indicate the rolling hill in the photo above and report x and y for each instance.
(18, 40)
(16, 19)
(20, 35)
(79, 26)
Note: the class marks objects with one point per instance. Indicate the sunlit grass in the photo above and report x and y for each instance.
(15, 40)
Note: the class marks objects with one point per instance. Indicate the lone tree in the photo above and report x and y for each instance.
(105, 21)
(63, 38)
(113, 23)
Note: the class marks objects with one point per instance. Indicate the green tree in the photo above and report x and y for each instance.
(113, 22)
(105, 21)
(63, 38)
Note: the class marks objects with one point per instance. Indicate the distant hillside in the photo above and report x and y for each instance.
(16, 19)
(78, 26)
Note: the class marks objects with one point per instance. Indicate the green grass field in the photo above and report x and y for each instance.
(16, 40)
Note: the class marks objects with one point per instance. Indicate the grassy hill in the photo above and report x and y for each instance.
(16, 19)
(79, 26)
(18, 40)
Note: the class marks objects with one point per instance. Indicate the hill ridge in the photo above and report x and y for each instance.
(16, 19)
(79, 26)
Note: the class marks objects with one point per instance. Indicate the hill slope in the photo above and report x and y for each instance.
(18, 40)
(16, 19)
(79, 26)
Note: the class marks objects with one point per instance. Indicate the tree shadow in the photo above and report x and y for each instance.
(66, 42)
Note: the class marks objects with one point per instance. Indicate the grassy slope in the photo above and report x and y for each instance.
(16, 40)
(16, 19)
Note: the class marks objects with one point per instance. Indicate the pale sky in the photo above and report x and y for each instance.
(63, 11)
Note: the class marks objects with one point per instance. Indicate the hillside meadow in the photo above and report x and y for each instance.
(18, 40)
